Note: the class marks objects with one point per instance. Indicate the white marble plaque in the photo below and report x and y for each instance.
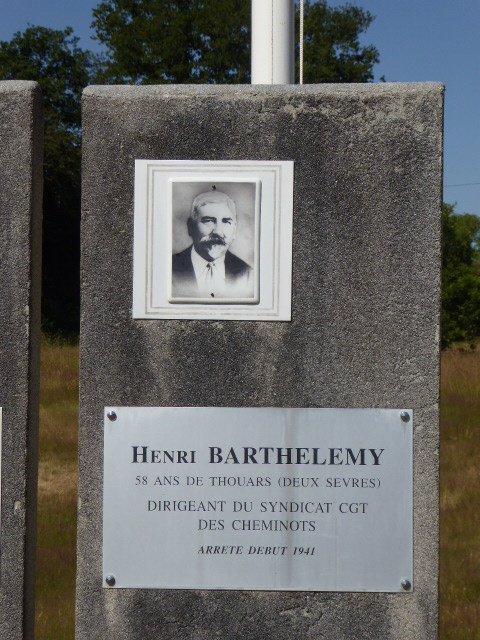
(213, 239)
(258, 498)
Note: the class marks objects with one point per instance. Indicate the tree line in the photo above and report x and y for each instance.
(460, 277)
(187, 41)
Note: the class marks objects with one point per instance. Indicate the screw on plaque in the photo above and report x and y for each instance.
(110, 580)
(404, 416)
(406, 584)
(111, 415)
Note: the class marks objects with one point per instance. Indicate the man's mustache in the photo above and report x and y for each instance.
(213, 240)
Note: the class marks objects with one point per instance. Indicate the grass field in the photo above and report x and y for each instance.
(57, 493)
(460, 494)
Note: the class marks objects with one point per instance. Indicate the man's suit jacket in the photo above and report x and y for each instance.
(184, 283)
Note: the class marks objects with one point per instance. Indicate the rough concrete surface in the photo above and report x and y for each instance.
(21, 162)
(364, 329)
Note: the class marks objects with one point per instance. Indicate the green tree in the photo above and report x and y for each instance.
(332, 50)
(54, 59)
(208, 41)
(460, 277)
(187, 41)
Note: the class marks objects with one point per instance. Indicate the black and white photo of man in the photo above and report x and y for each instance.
(207, 268)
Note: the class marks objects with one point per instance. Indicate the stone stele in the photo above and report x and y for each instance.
(21, 162)
(364, 329)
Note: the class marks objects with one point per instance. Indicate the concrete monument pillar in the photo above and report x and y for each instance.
(361, 330)
(21, 163)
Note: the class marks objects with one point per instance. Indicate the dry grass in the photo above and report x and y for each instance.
(57, 493)
(460, 491)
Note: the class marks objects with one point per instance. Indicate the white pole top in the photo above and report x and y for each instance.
(273, 41)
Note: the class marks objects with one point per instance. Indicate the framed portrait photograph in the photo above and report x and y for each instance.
(215, 241)
(212, 239)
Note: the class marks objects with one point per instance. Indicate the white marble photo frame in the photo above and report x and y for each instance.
(213, 239)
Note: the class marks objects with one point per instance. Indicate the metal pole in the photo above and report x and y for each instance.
(273, 41)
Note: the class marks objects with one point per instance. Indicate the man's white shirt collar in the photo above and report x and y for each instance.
(210, 275)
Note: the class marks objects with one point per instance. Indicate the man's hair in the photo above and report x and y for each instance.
(213, 196)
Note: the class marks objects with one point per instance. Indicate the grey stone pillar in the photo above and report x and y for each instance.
(21, 162)
(364, 329)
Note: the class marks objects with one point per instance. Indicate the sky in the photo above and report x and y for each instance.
(418, 40)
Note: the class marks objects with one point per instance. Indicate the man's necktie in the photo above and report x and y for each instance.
(210, 284)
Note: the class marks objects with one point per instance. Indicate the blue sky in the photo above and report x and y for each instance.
(418, 40)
